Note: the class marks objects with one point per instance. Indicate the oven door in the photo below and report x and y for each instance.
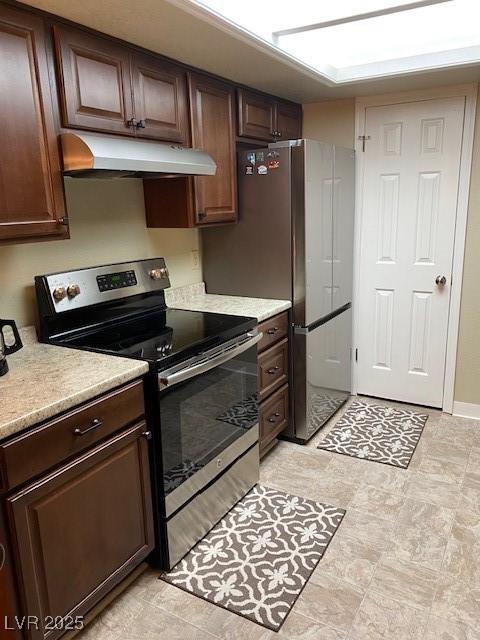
(208, 417)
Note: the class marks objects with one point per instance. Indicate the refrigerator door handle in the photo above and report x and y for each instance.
(303, 331)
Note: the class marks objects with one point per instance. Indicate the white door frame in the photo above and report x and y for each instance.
(469, 91)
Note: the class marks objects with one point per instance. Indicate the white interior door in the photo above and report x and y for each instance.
(409, 204)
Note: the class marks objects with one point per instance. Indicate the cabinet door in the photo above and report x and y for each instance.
(160, 99)
(213, 130)
(256, 115)
(31, 185)
(288, 123)
(82, 529)
(94, 79)
(8, 603)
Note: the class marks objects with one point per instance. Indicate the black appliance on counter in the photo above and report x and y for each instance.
(201, 387)
(7, 345)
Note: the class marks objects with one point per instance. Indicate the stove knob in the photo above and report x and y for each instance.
(155, 274)
(59, 293)
(73, 290)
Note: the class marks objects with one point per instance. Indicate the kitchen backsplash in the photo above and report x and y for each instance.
(178, 295)
(107, 224)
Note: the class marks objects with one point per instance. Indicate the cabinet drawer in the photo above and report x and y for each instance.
(272, 369)
(273, 329)
(48, 445)
(273, 416)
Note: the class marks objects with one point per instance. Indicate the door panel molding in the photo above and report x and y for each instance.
(432, 139)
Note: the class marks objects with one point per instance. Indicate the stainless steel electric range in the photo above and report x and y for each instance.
(201, 387)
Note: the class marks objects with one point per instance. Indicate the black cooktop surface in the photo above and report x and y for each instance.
(162, 337)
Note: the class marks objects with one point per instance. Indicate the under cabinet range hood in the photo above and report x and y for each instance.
(87, 155)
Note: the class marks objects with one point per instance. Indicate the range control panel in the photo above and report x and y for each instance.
(85, 287)
(118, 280)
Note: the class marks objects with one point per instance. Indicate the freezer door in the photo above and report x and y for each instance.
(322, 373)
(343, 221)
(312, 197)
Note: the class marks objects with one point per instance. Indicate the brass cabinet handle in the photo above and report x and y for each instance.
(274, 417)
(273, 370)
(141, 124)
(132, 123)
(272, 331)
(96, 424)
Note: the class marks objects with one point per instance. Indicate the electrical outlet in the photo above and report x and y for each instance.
(195, 259)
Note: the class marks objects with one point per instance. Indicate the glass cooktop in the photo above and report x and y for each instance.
(163, 336)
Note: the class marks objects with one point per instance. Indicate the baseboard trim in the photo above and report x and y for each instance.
(466, 410)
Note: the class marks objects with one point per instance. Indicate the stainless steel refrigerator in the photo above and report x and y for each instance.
(294, 240)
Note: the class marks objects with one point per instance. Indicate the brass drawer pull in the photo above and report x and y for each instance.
(274, 417)
(273, 370)
(95, 425)
(273, 331)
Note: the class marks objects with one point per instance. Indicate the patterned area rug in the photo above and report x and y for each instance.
(378, 433)
(256, 561)
(244, 414)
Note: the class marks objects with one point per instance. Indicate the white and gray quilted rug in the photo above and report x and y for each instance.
(374, 432)
(256, 561)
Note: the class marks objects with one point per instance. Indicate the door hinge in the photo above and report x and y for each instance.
(363, 139)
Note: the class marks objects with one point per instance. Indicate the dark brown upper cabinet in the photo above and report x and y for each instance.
(288, 120)
(256, 115)
(31, 187)
(105, 86)
(95, 87)
(202, 200)
(212, 106)
(160, 99)
(263, 117)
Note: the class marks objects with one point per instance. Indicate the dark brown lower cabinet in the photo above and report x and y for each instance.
(273, 376)
(8, 597)
(81, 529)
(274, 415)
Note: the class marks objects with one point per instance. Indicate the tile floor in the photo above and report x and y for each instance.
(404, 564)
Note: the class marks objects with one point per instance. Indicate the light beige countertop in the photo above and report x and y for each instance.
(45, 380)
(194, 298)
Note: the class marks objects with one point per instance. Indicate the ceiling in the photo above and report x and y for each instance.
(189, 33)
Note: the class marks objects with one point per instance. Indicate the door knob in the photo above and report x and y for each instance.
(441, 281)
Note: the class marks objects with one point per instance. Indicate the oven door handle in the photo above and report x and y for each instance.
(167, 381)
